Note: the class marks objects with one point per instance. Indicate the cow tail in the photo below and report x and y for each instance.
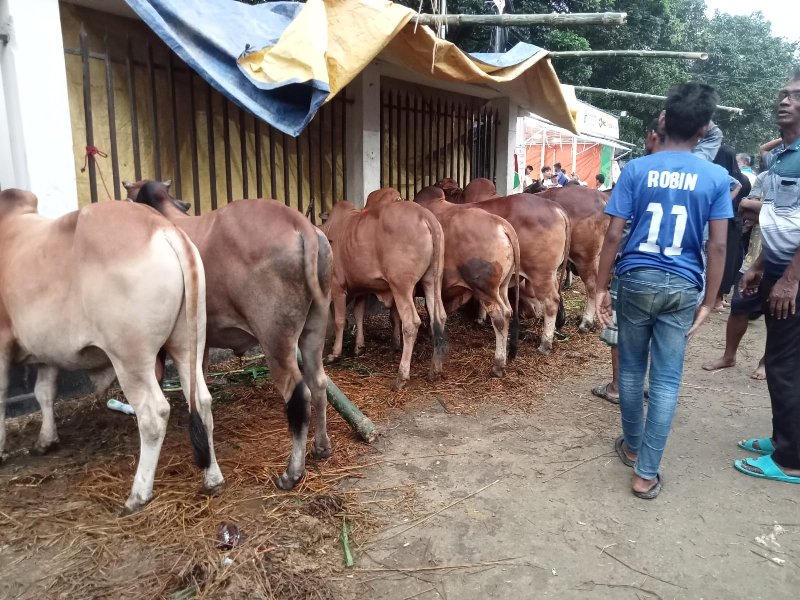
(193, 287)
(561, 316)
(317, 266)
(515, 327)
(440, 343)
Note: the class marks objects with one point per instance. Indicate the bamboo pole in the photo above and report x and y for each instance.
(349, 411)
(627, 53)
(594, 90)
(550, 20)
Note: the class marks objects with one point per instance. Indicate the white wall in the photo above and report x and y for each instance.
(363, 136)
(34, 87)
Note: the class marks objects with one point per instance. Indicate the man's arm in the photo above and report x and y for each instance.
(709, 145)
(715, 250)
(769, 146)
(607, 255)
(784, 292)
(750, 208)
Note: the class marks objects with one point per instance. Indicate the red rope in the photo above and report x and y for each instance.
(94, 152)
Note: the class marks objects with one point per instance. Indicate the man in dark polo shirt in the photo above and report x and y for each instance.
(775, 276)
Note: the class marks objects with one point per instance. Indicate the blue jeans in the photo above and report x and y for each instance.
(655, 311)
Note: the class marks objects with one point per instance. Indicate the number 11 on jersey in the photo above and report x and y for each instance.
(655, 227)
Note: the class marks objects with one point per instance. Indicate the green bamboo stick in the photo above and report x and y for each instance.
(349, 411)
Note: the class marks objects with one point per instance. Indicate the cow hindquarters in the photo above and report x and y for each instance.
(45, 392)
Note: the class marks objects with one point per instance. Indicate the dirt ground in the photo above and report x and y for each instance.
(558, 518)
(541, 505)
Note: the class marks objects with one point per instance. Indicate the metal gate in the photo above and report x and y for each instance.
(165, 103)
(425, 139)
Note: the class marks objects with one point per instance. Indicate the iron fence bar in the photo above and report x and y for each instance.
(391, 141)
(495, 125)
(322, 160)
(408, 135)
(154, 113)
(430, 142)
(226, 138)
(299, 149)
(259, 168)
(311, 199)
(382, 140)
(273, 174)
(212, 160)
(137, 162)
(333, 155)
(176, 154)
(287, 194)
(422, 129)
(87, 110)
(457, 126)
(193, 144)
(438, 139)
(344, 146)
(416, 107)
(243, 147)
(112, 122)
(453, 140)
(472, 140)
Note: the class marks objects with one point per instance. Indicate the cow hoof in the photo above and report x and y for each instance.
(134, 506)
(330, 359)
(320, 453)
(397, 345)
(360, 351)
(434, 377)
(41, 450)
(585, 327)
(498, 371)
(287, 482)
(545, 348)
(211, 490)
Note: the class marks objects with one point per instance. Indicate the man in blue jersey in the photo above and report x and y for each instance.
(669, 197)
(775, 275)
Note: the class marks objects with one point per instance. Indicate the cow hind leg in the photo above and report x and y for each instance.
(177, 348)
(5, 365)
(45, 392)
(501, 317)
(404, 301)
(312, 340)
(435, 307)
(281, 356)
(588, 274)
(152, 413)
(339, 300)
(397, 329)
(546, 291)
(359, 308)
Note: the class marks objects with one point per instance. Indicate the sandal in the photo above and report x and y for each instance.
(769, 470)
(601, 391)
(621, 453)
(764, 445)
(652, 492)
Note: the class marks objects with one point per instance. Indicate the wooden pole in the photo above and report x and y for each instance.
(594, 90)
(629, 53)
(549, 20)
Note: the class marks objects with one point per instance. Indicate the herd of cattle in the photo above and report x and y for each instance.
(113, 287)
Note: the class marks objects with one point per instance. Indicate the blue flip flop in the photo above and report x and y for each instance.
(765, 445)
(769, 470)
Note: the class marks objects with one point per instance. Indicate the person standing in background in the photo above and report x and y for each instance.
(527, 180)
(745, 162)
(669, 197)
(562, 176)
(600, 182)
(775, 276)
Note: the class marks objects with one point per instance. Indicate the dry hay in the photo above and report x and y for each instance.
(61, 537)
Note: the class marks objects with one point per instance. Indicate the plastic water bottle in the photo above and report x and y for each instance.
(124, 407)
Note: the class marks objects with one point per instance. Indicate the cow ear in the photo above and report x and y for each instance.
(127, 185)
(167, 183)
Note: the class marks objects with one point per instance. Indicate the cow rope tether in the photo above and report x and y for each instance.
(93, 151)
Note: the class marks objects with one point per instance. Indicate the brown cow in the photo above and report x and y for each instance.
(585, 208)
(103, 289)
(476, 190)
(543, 230)
(387, 250)
(481, 253)
(268, 275)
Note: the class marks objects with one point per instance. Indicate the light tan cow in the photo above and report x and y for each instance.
(481, 254)
(103, 289)
(268, 273)
(386, 250)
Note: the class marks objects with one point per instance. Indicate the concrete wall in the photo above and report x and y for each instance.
(35, 130)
